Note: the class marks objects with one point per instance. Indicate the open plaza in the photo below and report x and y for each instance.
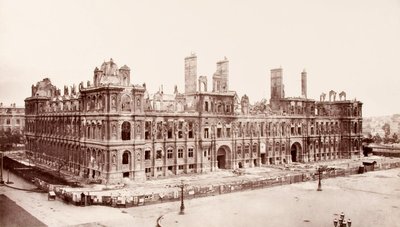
(367, 199)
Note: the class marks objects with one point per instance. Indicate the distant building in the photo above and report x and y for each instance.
(12, 118)
(111, 129)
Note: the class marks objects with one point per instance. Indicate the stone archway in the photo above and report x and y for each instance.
(295, 150)
(222, 157)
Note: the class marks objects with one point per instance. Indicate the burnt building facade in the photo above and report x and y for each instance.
(110, 129)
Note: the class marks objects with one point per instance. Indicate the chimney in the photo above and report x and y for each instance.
(304, 84)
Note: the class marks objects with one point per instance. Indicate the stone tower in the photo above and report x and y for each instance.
(190, 74)
(277, 87)
(304, 84)
(221, 76)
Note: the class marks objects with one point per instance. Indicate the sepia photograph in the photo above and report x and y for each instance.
(188, 113)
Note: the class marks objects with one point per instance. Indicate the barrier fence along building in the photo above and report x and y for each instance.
(116, 199)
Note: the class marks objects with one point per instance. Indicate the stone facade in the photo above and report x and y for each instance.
(12, 118)
(111, 129)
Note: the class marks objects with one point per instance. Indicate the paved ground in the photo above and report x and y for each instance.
(371, 199)
(13, 215)
(57, 213)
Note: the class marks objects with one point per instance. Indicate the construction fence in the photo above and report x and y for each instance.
(115, 199)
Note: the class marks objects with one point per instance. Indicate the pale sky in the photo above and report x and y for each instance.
(351, 46)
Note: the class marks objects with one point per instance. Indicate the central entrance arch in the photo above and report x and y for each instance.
(295, 149)
(222, 155)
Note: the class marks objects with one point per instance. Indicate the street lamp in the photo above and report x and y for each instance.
(182, 208)
(1, 168)
(319, 179)
(8, 177)
(342, 222)
(320, 170)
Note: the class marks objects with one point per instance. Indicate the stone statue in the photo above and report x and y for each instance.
(138, 128)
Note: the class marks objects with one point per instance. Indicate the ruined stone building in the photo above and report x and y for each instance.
(12, 118)
(109, 128)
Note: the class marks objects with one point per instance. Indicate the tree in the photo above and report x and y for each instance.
(377, 139)
(386, 129)
(395, 138)
(60, 164)
(368, 139)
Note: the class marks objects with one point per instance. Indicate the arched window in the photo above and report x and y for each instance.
(126, 131)
(88, 132)
(239, 149)
(246, 148)
(125, 157)
(277, 147)
(179, 107)
(254, 148)
(126, 103)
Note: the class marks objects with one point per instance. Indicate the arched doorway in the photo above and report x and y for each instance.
(222, 154)
(294, 151)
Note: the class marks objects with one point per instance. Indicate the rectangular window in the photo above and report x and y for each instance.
(180, 133)
(206, 133)
(147, 155)
(190, 134)
(147, 170)
(205, 153)
(8, 121)
(159, 169)
(169, 154)
(180, 167)
(228, 132)
(18, 121)
(262, 128)
(191, 166)
(169, 132)
(239, 149)
(180, 153)
(246, 149)
(159, 130)
(219, 132)
(159, 154)
(147, 130)
(190, 152)
(255, 148)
